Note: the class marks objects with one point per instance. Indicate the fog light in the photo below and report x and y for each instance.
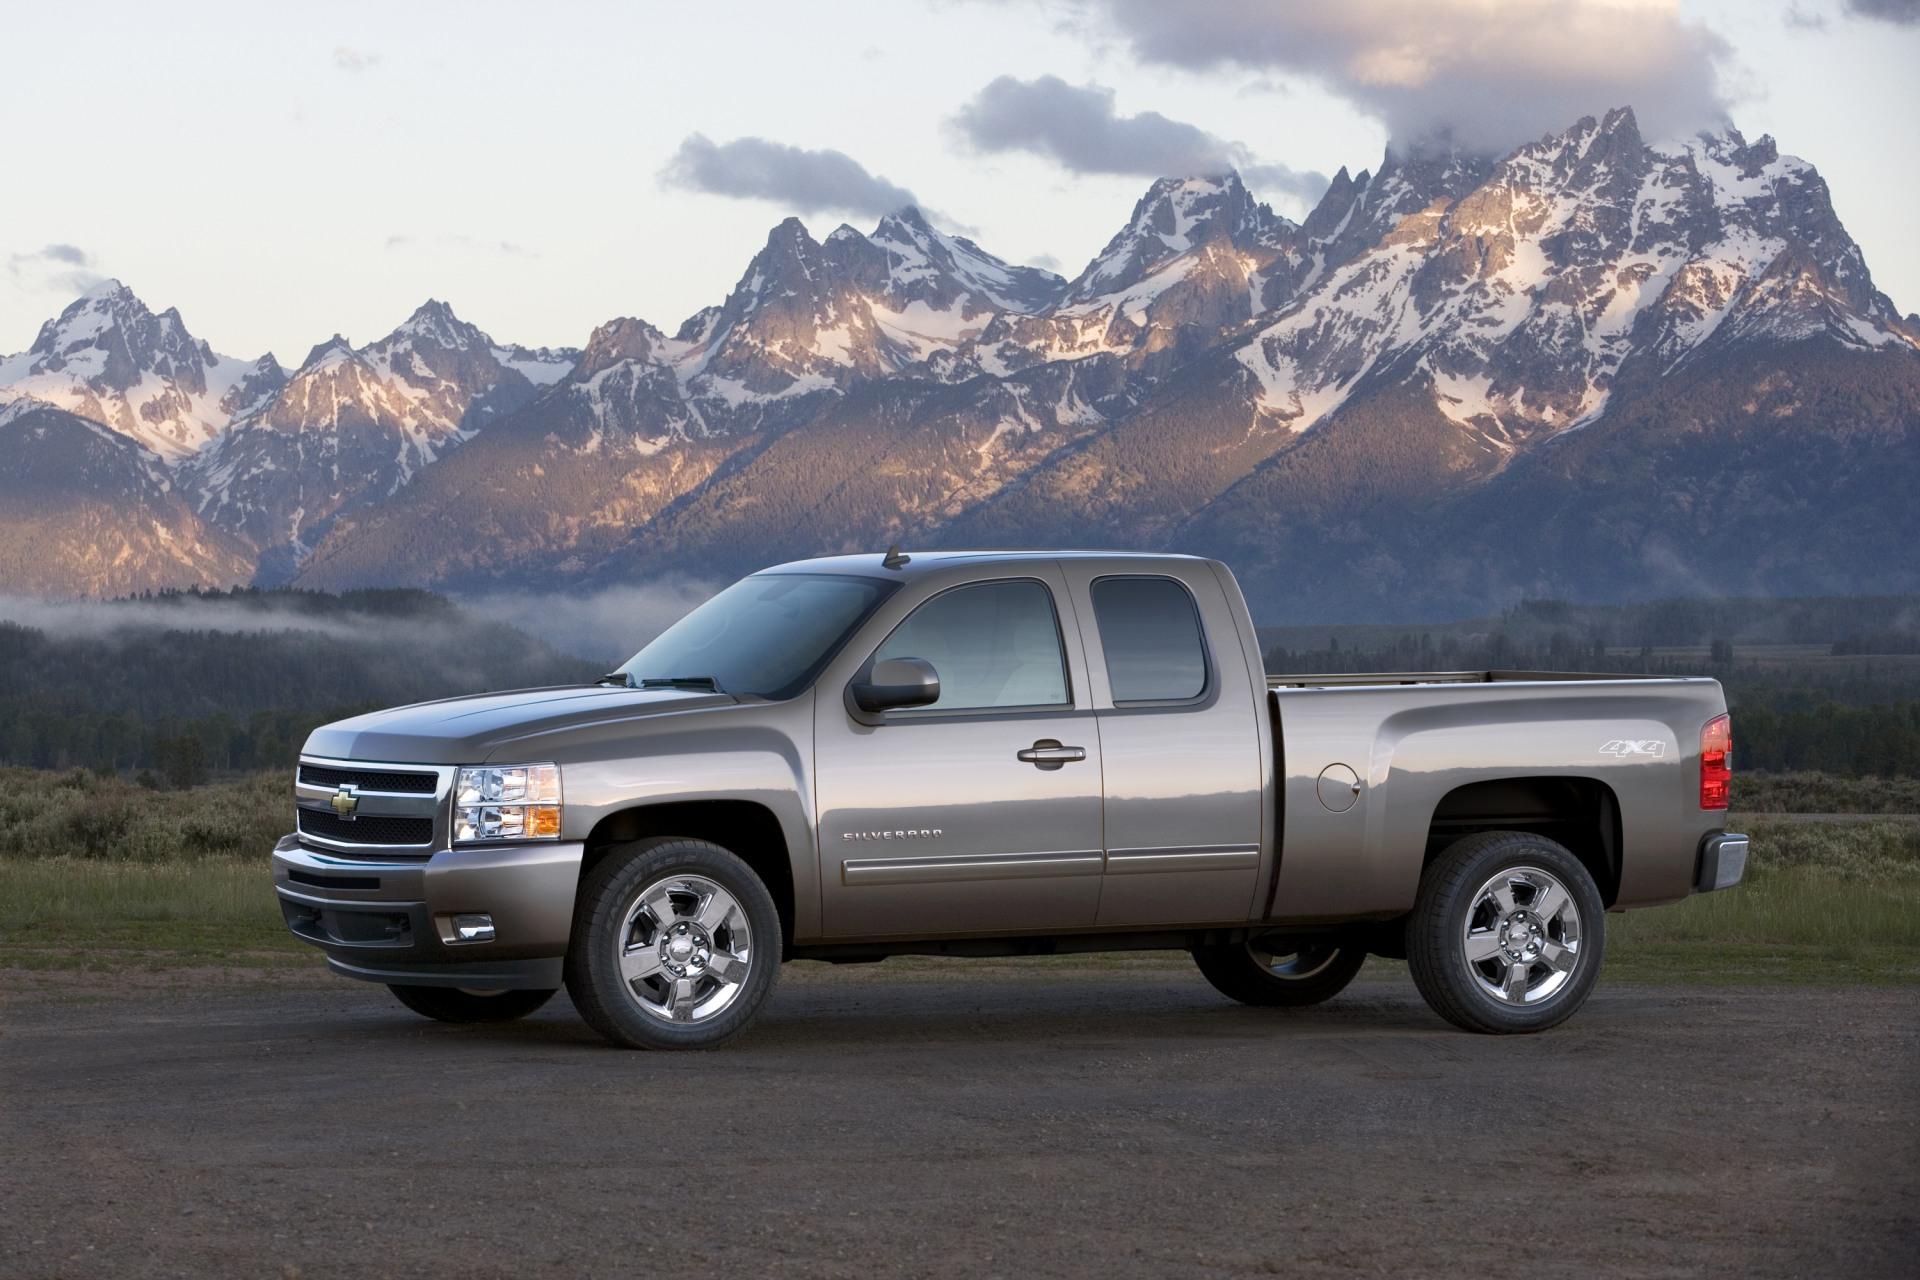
(475, 928)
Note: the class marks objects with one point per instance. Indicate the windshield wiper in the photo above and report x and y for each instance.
(681, 682)
(618, 678)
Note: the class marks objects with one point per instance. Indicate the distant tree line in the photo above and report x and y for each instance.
(159, 691)
(1848, 624)
(165, 688)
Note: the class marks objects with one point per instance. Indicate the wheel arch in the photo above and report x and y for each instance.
(1581, 813)
(749, 830)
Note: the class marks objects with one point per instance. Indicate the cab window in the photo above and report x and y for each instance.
(994, 644)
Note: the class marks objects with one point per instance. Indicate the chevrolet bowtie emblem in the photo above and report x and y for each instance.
(344, 801)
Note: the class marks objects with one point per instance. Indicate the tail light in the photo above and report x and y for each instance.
(1716, 762)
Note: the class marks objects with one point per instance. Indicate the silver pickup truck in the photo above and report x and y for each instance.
(998, 753)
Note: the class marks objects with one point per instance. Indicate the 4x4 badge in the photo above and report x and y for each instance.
(1653, 748)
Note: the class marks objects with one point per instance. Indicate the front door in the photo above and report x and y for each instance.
(981, 812)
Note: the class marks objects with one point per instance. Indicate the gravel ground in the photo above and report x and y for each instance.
(953, 1122)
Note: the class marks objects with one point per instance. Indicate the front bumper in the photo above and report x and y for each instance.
(392, 921)
(1723, 862)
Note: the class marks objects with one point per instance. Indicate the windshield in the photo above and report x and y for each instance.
(766, 636)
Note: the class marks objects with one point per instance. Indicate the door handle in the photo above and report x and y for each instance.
(1049, 754)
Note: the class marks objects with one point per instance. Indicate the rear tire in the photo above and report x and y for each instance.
(1253, 974)
(676, 945)
(1507, 934)
(451, 1004)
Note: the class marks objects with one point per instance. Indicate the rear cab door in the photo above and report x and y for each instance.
(1184, 740)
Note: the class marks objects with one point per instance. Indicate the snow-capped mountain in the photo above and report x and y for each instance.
(1523, 300)
(108, 358)
(1629, 348)
(817, 316)
(1198, 257)
(357, 423)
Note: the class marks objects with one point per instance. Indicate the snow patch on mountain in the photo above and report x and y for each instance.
(108, 358)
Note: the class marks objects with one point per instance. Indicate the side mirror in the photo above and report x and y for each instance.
(896, 683)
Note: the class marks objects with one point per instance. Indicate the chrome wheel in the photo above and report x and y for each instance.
(1304, 962)
(685, 949)
(1522, 936)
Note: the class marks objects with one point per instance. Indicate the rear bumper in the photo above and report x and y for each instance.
(1723, 862)
(393, 921)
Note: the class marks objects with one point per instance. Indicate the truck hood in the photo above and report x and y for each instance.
(469, 730)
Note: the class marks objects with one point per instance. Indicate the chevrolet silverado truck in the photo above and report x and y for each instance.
(993, 754)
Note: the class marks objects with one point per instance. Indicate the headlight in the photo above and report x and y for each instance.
(507, 802)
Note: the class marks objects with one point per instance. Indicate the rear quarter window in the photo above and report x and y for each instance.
(1150, 633)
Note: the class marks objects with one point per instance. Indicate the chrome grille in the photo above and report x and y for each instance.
(371, 829)
(420, 784)
(399, 809)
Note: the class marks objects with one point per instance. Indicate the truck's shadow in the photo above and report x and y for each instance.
(832, 1019)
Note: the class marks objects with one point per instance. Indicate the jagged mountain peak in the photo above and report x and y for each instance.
(109, 358)
(326, 355)
(434, 321)
(616, 342)
(1175, 216)
(929, 264)
(106, 314)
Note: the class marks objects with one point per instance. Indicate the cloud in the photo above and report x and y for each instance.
(1490, 73)
(58, 268)
(793, 177)
(1078, 127)
(1904, 13)
(354, 61)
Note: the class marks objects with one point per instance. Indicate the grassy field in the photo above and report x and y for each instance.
(100, 875)
(82, 815)
(1822, 902)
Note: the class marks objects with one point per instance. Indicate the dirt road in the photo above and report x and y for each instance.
(962, 1123)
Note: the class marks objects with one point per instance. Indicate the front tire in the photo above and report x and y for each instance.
(676, 945)
(1507, 934)
(1259, 973)
(452, 1004)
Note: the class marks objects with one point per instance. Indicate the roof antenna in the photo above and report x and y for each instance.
(894, 560)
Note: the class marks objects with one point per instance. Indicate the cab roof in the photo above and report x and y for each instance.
(874, 564)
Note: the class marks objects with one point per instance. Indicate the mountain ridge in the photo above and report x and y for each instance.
(1429, 330)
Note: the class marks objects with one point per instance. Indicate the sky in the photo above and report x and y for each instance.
(281, 173)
